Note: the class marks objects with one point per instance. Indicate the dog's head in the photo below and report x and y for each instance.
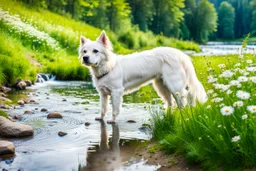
(93, 53)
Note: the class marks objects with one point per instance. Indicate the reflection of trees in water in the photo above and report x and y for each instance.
(106, 157)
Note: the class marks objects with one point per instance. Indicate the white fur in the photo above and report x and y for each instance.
(170, 70)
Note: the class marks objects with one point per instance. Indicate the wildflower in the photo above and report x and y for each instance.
(222, 104)
(217, 99)
(211, 79)
(219, 126)
(227, 74)
(244, 116)
(251, 69)
(253, 79)
(237, 65)
(210, 91)
(249, 61)
(242, 79)
(229, 91)
(238, 104)
(235, 138)
(227, 110)
(221, 66)
(208, 107)
(252, 108)
(234, 83)
(242, 95)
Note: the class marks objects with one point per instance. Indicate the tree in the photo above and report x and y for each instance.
(253, 24)
(226, 20)
(142, 12)
(206, 21)
(168, 16)
(187, 27)
(119, 15)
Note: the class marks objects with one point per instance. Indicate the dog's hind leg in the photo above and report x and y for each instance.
(163, 91)
(174, 78)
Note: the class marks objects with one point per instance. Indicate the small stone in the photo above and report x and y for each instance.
(54, 115)
(6, 147)
(44, 110)
(36, 108)
(3, 94)
(4, 106)
(21, 102)
(131, 121)
(4, 99)
(17, 117)
(32, 101)
(62, 133)
(28, 112)
(64, 100)
(87, 123)
(5, 89)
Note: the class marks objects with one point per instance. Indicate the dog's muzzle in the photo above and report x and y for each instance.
(86, 59)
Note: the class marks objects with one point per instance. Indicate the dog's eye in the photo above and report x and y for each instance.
(85, 51)
(95, 51)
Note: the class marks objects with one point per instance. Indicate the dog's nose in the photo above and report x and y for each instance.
(86, 58)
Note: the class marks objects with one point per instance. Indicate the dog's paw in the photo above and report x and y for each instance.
(111, 121)
(98, 118)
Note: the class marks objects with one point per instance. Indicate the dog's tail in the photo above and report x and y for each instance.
(196, 89)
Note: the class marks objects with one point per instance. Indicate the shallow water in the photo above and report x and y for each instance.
(84, 147)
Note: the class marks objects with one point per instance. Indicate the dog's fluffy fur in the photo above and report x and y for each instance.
(171, 71)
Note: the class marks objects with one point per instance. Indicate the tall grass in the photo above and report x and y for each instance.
(222, 132)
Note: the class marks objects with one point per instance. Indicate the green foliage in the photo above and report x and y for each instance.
(253, 23)
(226, 20)
(2, 113)
(206, 21)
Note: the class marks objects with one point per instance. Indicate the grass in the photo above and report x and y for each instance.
(52, 41)
(2, 113)
(220, 133)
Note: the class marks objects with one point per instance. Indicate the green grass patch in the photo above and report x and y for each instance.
(2, 113)
(220, 133)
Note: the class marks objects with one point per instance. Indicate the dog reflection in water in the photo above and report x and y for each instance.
(106, 157)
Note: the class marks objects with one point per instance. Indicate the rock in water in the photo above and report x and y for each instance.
(54, 115)
(21, 102)
(43, 110)
(28, 83)
(87, 123)
(131, 121)
(6, 147)
(5, 89)
(14, 129)
(21, 85)
(62, 133)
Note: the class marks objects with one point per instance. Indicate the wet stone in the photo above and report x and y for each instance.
(28, 112)
(44, 110)
(131, 121)
(61, 134)
(21, 102)
(54, 115)
(87, 123)
(6, 147)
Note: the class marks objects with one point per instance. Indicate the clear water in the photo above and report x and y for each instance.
(92, 147)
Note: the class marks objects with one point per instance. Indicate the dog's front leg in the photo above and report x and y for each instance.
(116, 96)
(104, 105)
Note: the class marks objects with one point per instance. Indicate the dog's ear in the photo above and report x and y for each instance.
(83, 40)
(103, 39)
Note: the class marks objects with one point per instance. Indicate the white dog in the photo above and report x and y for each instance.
(171, 71)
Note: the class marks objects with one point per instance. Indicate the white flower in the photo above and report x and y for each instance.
(235, 138)
(242, 79)
(252, 108)
(251, 69)
(253, 79)
(242, 95)
(234, 83)
(244, 116)
(227, 74)
(249, 61)
(221, 66)
(209, 106)
(229, 91)
(237, 65)
(217, 99)
(238, 104)
(210, 91)
(211, 79)
(227, 110)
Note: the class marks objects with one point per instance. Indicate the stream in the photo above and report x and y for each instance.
(99, 146)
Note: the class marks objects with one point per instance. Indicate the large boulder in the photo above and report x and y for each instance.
(28, 83)
(14, 129)
(6, 147)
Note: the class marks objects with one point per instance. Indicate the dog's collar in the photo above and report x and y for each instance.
(99, 77)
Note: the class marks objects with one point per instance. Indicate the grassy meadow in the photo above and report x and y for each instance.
(48, 42)
(220, 133)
